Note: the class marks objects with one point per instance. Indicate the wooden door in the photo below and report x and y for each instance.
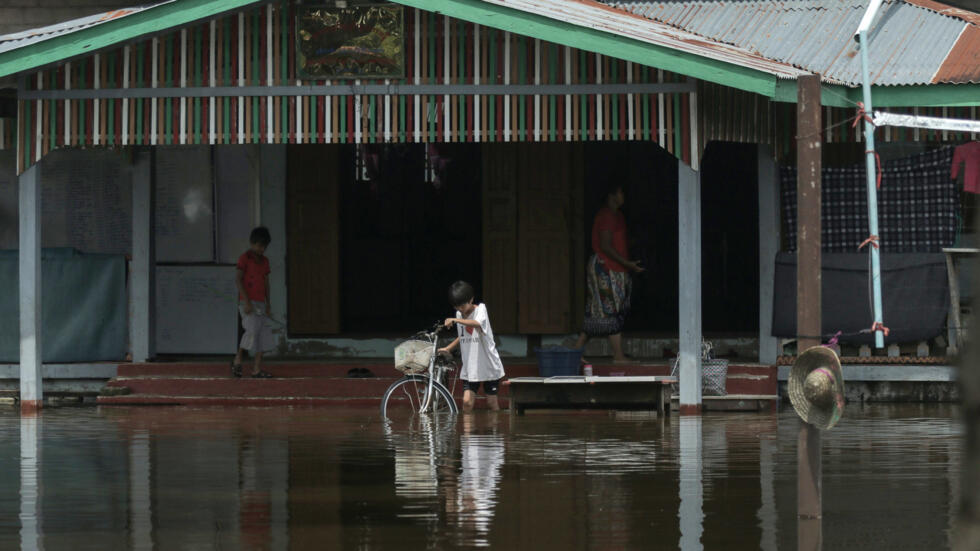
(499, 200)
(313, 180)
(548, 179)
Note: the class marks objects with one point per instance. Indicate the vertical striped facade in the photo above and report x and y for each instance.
(256, 48)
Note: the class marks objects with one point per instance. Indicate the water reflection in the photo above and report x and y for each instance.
(691, 491)
(180, 478)
(30, 506)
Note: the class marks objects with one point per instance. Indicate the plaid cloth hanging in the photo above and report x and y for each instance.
(918, 205)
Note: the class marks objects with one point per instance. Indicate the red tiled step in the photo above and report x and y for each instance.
(521, 367)
(336, 387)
(254, 401)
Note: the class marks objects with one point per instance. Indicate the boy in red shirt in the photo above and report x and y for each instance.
(252, 278)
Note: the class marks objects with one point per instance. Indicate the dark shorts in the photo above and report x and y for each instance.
(489, 387)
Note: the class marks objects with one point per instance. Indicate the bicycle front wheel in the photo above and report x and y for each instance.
(407, 396)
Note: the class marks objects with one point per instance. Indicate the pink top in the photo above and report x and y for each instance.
(969, 155)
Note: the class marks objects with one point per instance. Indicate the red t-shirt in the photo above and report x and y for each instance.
(255, 268)
(613, 221)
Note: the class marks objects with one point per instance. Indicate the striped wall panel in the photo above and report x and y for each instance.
(255, 48)
(730, 115)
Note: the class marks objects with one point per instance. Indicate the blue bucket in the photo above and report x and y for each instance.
(554, 361)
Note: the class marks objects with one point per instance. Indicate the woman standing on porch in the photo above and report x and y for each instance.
(608, 279)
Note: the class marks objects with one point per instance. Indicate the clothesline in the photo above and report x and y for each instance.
(931, 123)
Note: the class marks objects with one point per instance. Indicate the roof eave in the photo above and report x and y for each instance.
(557, 31)
(124, 29)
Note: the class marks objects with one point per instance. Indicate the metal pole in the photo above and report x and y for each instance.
(862, 37)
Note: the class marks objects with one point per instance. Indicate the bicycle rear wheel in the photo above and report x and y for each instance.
(406, 396)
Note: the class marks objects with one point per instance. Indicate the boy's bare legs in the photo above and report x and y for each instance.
(238, 357)
(469, 400)
(616, 341)
(257, 364)
(492, 403)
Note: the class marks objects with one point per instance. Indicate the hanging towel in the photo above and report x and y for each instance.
(969, 155)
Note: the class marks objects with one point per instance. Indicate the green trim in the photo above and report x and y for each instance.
(521, 79)
(372, 120)
(402, 129)
(923, 95)
(562, 32)
(140, 59)
(53, 109)
(91, 39)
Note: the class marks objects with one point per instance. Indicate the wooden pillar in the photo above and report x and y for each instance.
(808, 183)
(768, 247)
(689, 269)
(29, 205)
(142, 289)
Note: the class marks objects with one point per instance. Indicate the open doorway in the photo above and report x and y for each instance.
(410, 225)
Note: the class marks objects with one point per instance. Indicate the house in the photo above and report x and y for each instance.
(473, 147)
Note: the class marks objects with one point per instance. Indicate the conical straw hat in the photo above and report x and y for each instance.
(816, 387)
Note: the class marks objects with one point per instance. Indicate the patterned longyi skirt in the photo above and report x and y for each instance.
(607, 299)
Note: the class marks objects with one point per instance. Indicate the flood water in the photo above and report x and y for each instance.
(279, 478)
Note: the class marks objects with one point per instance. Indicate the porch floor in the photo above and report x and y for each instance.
(326, 383)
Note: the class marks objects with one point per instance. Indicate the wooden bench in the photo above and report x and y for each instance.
(594, 392)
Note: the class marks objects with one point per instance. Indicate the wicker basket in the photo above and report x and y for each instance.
(714, 373)
(412, 357)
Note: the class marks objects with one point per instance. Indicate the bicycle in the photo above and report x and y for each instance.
(423, 388)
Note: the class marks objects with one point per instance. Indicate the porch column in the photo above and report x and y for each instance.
(29, 204)
(768, 247)
(689, 268)
(808, 211)
(142, 297)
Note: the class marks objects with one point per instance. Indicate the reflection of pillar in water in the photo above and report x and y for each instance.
(808, 489)
(140, 512)
(767, 511)
(254, 503)
(691, 489)
(30, 498)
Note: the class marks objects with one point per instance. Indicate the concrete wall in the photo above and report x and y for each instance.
(18, 15)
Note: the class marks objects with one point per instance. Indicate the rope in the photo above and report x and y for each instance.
(872, 240)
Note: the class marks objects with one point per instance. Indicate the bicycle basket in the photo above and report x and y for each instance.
(413, 356)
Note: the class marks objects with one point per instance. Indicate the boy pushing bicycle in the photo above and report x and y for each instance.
(481, 363)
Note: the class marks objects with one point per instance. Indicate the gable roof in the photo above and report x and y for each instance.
(911, 43)
(26, 38)
(36, 48)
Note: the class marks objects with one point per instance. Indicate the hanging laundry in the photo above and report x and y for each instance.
(967, 154)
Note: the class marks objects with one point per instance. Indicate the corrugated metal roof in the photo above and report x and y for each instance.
(33, 36)
(909, 43)
(596, 15)
(963, 62)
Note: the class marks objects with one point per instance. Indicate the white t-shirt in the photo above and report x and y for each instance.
(480, 359)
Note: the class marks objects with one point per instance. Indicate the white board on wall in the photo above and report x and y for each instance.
(197, 310)
(184, 204)
(87, 200)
